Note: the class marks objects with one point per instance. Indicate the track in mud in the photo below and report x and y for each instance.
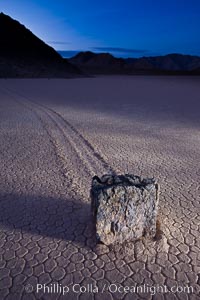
(59, 230)
(72, 148)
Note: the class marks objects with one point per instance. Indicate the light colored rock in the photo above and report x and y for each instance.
(125, 207)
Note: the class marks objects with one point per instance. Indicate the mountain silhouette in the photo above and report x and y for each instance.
(22, 54)
(107, 63)
(98, 62)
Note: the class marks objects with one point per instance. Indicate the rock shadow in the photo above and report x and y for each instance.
(62, 218)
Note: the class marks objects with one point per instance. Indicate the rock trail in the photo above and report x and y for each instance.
(47, 161)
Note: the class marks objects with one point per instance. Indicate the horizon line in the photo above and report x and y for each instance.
(75, 52)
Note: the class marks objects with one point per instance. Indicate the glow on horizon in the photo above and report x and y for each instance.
(158, 28)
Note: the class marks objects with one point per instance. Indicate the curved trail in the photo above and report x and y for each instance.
(46, 231)
(71, 146)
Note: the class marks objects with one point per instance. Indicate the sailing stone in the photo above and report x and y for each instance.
(125, 207)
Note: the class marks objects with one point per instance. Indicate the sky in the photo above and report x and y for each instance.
(128, 28)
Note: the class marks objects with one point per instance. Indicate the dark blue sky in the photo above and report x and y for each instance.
(128, 28)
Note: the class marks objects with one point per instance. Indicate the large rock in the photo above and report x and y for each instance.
(125, 207)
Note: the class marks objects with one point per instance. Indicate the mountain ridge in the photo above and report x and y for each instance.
(173, 63)
(23, 54)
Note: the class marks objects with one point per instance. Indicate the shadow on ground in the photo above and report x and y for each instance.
(61, 218)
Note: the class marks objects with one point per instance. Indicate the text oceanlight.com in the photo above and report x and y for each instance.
(56, 288)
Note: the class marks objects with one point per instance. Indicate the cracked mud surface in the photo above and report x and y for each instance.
(55, 135)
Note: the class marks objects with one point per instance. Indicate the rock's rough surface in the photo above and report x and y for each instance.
(125, 207)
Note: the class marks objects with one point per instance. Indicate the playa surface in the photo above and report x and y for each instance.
(55, 135)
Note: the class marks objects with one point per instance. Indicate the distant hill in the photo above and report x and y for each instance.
(108, 64)
(170, 62)
(98, 63)
(22, 54)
